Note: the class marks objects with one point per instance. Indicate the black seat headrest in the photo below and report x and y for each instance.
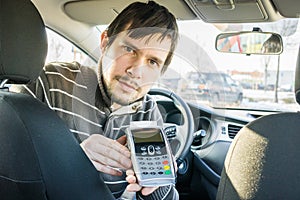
(22, 53)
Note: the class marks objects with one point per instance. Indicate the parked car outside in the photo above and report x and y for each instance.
(216, 88)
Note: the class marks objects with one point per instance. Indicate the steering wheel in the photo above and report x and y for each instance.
(181, 135)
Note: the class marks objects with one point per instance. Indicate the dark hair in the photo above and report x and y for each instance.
(143, 19)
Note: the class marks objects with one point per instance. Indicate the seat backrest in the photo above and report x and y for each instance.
(297, 79)
(39, 156)
(262, 162)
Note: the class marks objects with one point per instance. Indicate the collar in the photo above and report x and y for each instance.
(129, 109)
(102, 89)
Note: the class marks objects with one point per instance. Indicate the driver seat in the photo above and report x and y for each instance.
(262, 162)
(40, 158)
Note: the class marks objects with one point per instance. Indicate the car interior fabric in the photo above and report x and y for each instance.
(21, 46)
(262, 158)
(40, 158)
(262, 162)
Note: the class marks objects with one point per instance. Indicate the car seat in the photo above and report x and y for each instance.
(39, 156)
(262, 162)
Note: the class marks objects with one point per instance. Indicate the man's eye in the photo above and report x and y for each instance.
(153, 63)
(128, 49)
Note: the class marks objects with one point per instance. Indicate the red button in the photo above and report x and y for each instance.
(165, 162)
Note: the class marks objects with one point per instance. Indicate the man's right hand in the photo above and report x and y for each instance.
(107, 154)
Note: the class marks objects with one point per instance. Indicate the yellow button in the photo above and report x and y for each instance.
(166, 167)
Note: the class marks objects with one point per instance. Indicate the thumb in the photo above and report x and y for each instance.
(122, 140)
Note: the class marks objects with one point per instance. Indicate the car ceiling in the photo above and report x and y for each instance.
(77, 19)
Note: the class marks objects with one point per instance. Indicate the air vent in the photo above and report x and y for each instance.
(233, 130)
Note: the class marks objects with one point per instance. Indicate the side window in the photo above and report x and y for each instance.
(62, 50)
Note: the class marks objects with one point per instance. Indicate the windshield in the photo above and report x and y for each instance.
(200, 74)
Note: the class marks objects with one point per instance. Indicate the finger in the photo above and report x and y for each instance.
(129, 172)
(131, 179)
(102, 168)
(133, 187)
(96, 140)
(109, 148)
(113, 158)
(148, 190)
(122, 140)
(116, 146)
(110, 157)
(92, 151)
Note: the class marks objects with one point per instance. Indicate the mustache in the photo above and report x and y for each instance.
(128, 81)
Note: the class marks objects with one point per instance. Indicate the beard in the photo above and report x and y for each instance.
(113, 90)
(119, 96)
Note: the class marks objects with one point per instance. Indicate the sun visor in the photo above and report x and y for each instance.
(288, 8)
(233, 11)
(104, 11)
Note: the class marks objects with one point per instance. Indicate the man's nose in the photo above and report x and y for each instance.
(135, 70)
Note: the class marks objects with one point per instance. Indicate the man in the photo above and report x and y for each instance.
(136, 49)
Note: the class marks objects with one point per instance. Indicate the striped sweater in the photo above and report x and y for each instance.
(73, 92)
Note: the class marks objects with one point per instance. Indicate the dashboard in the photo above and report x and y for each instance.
(214, 130)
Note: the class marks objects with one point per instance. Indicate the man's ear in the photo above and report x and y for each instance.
(104, 41)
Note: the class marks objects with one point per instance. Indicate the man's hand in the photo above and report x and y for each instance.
(134, 186)
(107, 154)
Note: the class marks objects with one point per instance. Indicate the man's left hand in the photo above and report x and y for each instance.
(134, 186)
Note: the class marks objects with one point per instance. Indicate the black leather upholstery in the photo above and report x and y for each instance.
(39, 157)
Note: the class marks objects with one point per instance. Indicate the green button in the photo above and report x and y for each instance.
(167, 172)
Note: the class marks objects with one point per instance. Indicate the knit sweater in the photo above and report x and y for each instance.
(75, 93)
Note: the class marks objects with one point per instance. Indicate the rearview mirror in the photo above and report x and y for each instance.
(250, 42)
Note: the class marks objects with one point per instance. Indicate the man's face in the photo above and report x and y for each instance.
(131, 66)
